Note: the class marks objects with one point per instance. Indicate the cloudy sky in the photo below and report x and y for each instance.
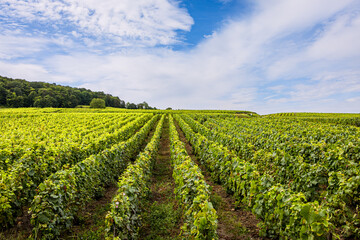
(261, 55)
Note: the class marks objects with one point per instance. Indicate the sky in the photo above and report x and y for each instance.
(265, 56)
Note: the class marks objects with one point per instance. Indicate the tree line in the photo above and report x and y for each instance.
(22, 93)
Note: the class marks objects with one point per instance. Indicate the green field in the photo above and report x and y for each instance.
(178, 174)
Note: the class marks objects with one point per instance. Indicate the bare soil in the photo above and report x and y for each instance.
(22, 228)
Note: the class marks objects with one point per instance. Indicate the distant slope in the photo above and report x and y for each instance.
(22, 93)
(334, 118)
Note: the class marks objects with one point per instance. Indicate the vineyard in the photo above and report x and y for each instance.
(152, 174)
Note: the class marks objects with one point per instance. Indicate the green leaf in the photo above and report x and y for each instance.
(306, 213)
(43, 218)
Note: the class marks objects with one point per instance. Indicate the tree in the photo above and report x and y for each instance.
(131, 105)
(3, 94)
(146, 105)
(112, 101)
(71, 101)
(29, 100)
(122, 104)
(46, 101)
(85, 97)
(21, 93)
(14, 101)
(140, 106)
(97, 103)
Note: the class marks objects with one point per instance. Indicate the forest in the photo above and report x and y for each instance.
(21, 93)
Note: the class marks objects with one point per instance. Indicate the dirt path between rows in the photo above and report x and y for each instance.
(162, 215)
(234, 223)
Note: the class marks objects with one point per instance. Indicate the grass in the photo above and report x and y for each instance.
(162, 218)
(91, 225)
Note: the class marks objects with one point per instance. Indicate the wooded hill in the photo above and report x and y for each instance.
(22, 93)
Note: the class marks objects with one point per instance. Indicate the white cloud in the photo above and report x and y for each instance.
(138, 76)
(335, 43)
(279, 17)
(14, 46)
(327, 85)
(325, 92)
(25, 71)
(128, 22)
(353, 100)
(339, 41)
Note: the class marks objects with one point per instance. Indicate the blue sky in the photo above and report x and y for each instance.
(261, 55)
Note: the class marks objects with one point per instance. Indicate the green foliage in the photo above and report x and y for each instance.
(282, 210)
(200, 218)
(333, 118)
(123, 219)
(63, 193)
(97, 103)
(162, 218)
(46, 101)
(42, 159)
(299, 174)
(131, 105)
(21, 93)
(3, 94)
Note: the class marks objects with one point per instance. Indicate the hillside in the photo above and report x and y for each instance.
(22, 93)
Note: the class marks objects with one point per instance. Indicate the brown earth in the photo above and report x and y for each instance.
(22, 228)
